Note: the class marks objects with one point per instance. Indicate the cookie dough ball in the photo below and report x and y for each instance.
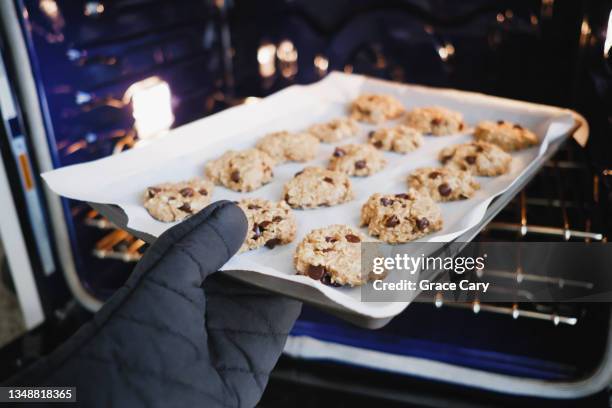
(480, 158)
(400, 139)
(334, 130)
(169, 202)
(376, 108)
(435, 120)
(332, 255)
(286, 146)
(245, 170)
(270, 223)
(317, 187)
(443, 183)
(398, 218)
(357, 160)
(507, 135)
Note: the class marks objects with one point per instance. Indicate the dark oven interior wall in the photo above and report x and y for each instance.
(536, 50)
(508, 48)
(85, 55)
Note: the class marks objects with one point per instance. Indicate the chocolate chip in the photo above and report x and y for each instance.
(287, 197)
(500, 122)
(326, 280)
(445, 159)
(328, 180)
(360, 164)
(339, 152)
(444, 190)
(461, 126)
(264, 224)
(298, 173)
(253, 207)
(392, 221)
(519, 127)
(470, 159)
(153, 191)
(422, 223)
(436, 122)
(331, 239)
(352, 238)
(479, 149)
(187, 192)
(316, 272)
(378, 144)
(403, 195)
(278, 218)
(386, 201)
(371, 134)
(203, 191)
(235, 176)
(256, 231)
(272, 243)
(434, 174)
(185, 208)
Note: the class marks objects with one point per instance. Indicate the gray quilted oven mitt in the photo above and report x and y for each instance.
(176, 334)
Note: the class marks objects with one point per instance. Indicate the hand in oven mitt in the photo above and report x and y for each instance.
(176, 334)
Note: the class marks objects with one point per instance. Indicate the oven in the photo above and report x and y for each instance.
(79, 75)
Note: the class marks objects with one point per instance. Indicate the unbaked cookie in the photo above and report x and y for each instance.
(443, 183)
(480, 158)
(435, 120)
(401, 139)
(244, 170)
(331, 255)
(357, 160)
(317, 187)
(170, 202)
(287, 146)
(507, 135)
(334, 130)
(270, 223)
(375, 108)
(401, 217)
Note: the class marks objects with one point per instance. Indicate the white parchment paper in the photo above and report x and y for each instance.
(121, 179)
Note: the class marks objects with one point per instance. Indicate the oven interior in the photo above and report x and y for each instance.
(216, 54)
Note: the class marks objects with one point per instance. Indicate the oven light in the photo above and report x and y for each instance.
(321, 63)
(249, 100)
(151, 106)
(265, 57)
(93, 9)
(286, 52)
(50, 9)
(446, 51)
(287, 56)
(608, 42)
(585, 32)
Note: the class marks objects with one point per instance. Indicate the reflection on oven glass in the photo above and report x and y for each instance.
(151, 106)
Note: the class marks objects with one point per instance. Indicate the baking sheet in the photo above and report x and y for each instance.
(121, 179)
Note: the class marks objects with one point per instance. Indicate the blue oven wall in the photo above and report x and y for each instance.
(87, 53)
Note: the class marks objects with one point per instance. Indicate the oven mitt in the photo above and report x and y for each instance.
(173, 336)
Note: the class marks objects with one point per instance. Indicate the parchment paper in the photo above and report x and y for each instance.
(121, 179)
